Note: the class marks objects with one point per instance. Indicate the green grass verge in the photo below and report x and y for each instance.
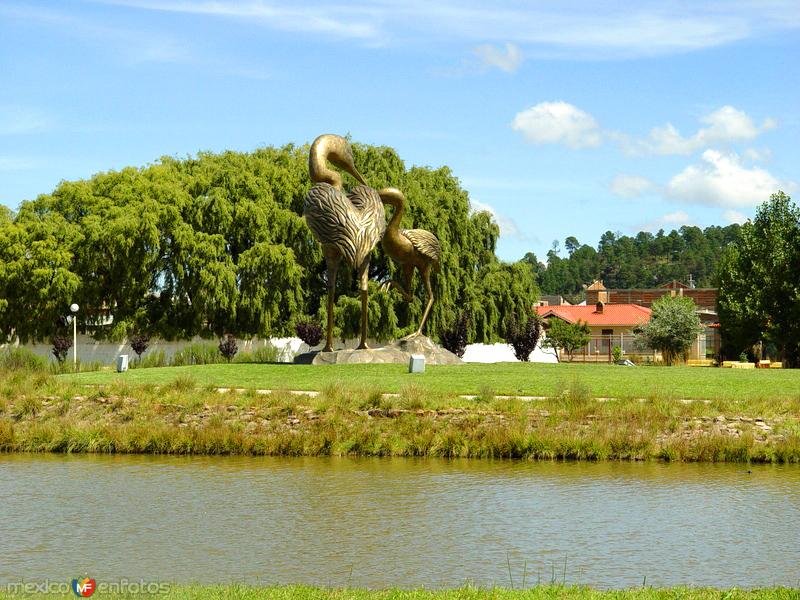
(241, 592)
(42, 413)
(532, 379)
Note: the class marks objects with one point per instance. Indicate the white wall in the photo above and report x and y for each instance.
(492, 353)
(90, 350)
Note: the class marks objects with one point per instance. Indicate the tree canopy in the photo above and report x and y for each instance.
(645, 260)
(759, 285)
(568, 337)
(672, 329)
(216, 243)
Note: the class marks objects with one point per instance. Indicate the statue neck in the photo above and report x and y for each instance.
(318, 168)
(397, 214)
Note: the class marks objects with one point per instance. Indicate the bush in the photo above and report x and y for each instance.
(310, 332)
(15, 359)
(263, 354)
(454, 338)
(616, 352)
(61, 346)
(523, 337)
(228, 347)
(155, 358)
(197, 354)
(139, 343)
(568, 337)
(673, 327)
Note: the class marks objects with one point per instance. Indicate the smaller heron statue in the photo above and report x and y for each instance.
(411, 248)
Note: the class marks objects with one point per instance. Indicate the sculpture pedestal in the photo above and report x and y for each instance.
(395, 352)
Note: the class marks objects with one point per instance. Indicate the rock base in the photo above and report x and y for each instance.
(395, 352)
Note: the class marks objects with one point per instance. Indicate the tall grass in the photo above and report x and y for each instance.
(39, 412)
(197, 354)
(154, 358)
(22, 359)
(553, 591)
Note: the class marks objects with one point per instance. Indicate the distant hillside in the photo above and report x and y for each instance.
(633, 262)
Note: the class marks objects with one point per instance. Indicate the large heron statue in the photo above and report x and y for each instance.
(347, 226)
(411, 248)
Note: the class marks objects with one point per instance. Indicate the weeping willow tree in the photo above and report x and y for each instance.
(216, 243)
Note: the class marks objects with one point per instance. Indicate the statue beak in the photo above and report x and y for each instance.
(360, 177)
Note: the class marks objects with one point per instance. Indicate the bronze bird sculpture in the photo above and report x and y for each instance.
(347, 226)
(411, 248)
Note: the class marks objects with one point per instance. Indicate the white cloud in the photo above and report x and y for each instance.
(758, 155)
(558, 123)
(672, 220)
(508, 228)
(563, 123)
(724, 126)
(338, 20)
(507, 60)
(733, 216)
(631, 186)
(571, 28)
(721, 180)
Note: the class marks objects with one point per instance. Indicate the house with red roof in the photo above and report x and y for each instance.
(610, 324)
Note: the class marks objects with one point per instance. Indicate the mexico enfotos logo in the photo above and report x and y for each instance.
(84, 587)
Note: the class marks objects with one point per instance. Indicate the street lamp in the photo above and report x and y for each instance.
(74, 309)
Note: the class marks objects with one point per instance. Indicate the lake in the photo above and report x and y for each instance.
(397, 522)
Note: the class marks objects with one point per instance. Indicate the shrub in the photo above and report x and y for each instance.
(523, 337)
(263, 354)
(61, 346)
(310, 332)
(568, 337)
(454, 338)
(228, 347)
(672, 328)
(743, 357)
(616, 352)
(21, 359)
(196, 354)
(139, 343)
(155, 358)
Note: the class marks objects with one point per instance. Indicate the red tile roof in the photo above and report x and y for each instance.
(620, 315)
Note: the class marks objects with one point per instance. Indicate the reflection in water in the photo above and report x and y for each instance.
(396, 522)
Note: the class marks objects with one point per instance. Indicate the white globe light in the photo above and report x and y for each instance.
(73, 307)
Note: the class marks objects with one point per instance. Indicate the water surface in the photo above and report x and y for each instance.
(396, 522)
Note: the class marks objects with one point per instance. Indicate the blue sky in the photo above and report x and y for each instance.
(563, 118)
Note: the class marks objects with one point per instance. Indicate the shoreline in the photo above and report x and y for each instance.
(44, 414)
(541, 592)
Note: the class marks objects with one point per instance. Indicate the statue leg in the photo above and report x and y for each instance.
(363, 274)
(333, 267)
(426, 275)
(405, 287)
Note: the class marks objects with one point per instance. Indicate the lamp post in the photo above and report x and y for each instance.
(74, 309)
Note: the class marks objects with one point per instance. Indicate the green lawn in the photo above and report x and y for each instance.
(530, 379)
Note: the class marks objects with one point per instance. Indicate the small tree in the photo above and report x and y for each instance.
(616, 353)
(228, 347)
(672, 329)
(568, 337)
(139, 343)
(523, 337)
(310, 332)
(454, 338)
(61, 345)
